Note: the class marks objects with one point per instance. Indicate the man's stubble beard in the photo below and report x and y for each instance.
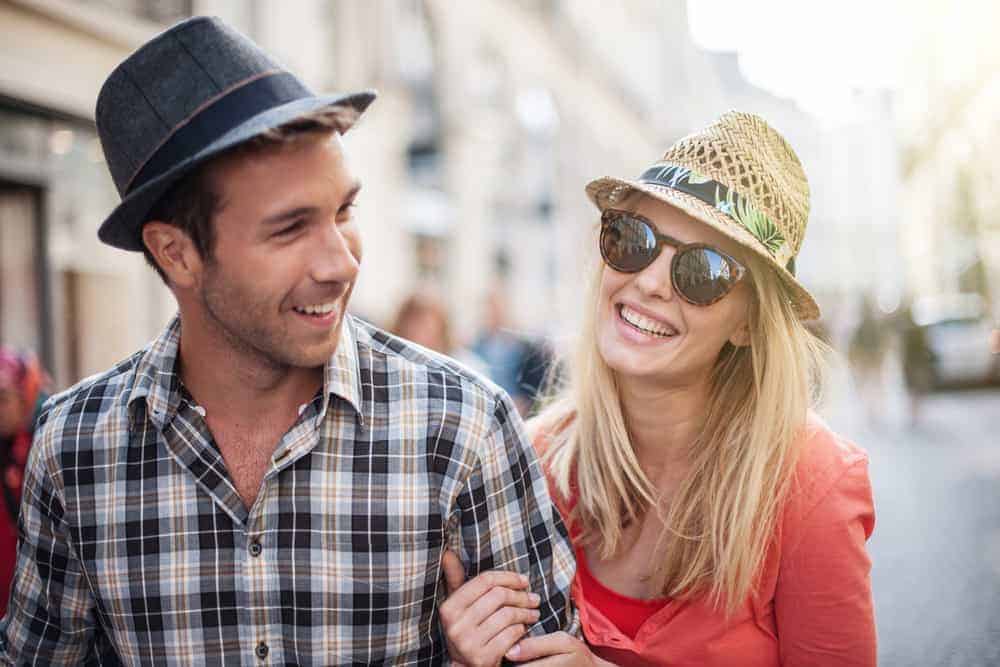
(241, 322)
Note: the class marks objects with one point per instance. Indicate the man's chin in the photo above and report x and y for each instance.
(311, 356)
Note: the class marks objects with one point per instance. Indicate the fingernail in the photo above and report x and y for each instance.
(524, 579)
(514, 651)
(534, 598)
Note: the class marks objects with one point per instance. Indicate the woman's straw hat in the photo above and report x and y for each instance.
(739, 176)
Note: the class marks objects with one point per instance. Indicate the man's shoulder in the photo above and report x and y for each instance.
(87, 404)
(398, 355)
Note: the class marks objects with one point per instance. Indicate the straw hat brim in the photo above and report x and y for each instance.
(598, 191)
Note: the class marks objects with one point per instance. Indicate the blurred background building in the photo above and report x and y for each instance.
(492, 117)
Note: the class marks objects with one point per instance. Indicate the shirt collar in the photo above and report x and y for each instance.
(156, 376)
(157, 381)
(342, 374)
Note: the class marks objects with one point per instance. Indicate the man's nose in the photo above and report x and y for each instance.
(336, 256)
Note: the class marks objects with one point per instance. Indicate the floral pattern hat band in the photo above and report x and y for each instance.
(739, 176)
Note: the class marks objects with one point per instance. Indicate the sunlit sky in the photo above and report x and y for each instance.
(811, 51)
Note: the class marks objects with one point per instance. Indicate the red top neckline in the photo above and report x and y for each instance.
(627, 613)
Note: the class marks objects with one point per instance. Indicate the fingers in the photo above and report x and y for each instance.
(484, 617)
(474, 652)
(454, 571)
(506, 617)
(533, 648)
(468, 593)
(503, 642)
(498, 598)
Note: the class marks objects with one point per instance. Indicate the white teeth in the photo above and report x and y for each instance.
(650, 326)
(318, 309)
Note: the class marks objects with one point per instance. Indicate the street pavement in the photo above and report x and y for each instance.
(936, 546)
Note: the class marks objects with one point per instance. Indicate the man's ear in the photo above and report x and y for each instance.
(174, 252)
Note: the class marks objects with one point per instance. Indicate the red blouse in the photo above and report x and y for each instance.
(812, 606)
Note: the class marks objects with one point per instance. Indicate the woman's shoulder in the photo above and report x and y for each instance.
(545, 428)
(830, 468)
(821, 450)
(544, 431)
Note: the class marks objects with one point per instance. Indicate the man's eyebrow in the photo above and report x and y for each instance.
(305, 211)
(353, 192)
(284, 216)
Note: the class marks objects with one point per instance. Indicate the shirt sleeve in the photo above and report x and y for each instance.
(49, 618)
(508, 522)
(823, 600)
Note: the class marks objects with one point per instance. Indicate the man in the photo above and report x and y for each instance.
(517, 363)
(270, 481)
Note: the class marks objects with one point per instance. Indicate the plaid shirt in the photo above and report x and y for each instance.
(136, 548)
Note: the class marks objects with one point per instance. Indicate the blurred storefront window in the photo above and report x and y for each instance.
(21, 293)
(52, 183)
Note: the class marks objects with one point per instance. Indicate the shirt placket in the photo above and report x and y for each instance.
(253, 559)
(264, 564)
(260, 611)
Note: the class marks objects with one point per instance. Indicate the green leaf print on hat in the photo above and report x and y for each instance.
(754, 221)
(673, 175)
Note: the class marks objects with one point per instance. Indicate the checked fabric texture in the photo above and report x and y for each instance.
(137, 550)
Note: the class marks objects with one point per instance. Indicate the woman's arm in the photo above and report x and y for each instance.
(823, 600)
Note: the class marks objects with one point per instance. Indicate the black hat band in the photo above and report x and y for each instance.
(229, 111)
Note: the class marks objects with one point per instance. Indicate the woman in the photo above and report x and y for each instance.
(21, 392)
(717, 521)
(423, 319)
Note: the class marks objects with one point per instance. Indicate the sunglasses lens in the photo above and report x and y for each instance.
(702, 275)
(628, 245)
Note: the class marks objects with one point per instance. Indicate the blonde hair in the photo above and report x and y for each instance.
(722, 518)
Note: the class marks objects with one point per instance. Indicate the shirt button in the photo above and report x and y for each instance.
(255, 550)
(262, 650)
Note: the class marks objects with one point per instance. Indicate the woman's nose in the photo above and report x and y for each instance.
(654, 280)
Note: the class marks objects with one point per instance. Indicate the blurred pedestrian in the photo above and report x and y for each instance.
(270, 481)
(866, 353)
(717, 521)
(22, 389)
(515, 361)
(918, 362)
(995, 341)
(423, 319)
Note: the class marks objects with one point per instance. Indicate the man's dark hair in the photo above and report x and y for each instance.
(191, 203)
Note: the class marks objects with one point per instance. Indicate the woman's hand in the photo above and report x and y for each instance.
(485, 617)
(558, 648)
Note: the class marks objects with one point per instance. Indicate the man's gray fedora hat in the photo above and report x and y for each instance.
(188, 94)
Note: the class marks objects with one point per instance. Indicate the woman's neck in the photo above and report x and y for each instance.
(662, 423)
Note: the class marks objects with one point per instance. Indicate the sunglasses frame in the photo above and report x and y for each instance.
(738, 270)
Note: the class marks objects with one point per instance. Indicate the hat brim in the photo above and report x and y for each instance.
(122, 229)
(600, 193)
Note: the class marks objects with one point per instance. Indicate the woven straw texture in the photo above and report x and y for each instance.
(744, 153)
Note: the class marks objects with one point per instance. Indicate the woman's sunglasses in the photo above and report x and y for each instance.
(700, 274)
